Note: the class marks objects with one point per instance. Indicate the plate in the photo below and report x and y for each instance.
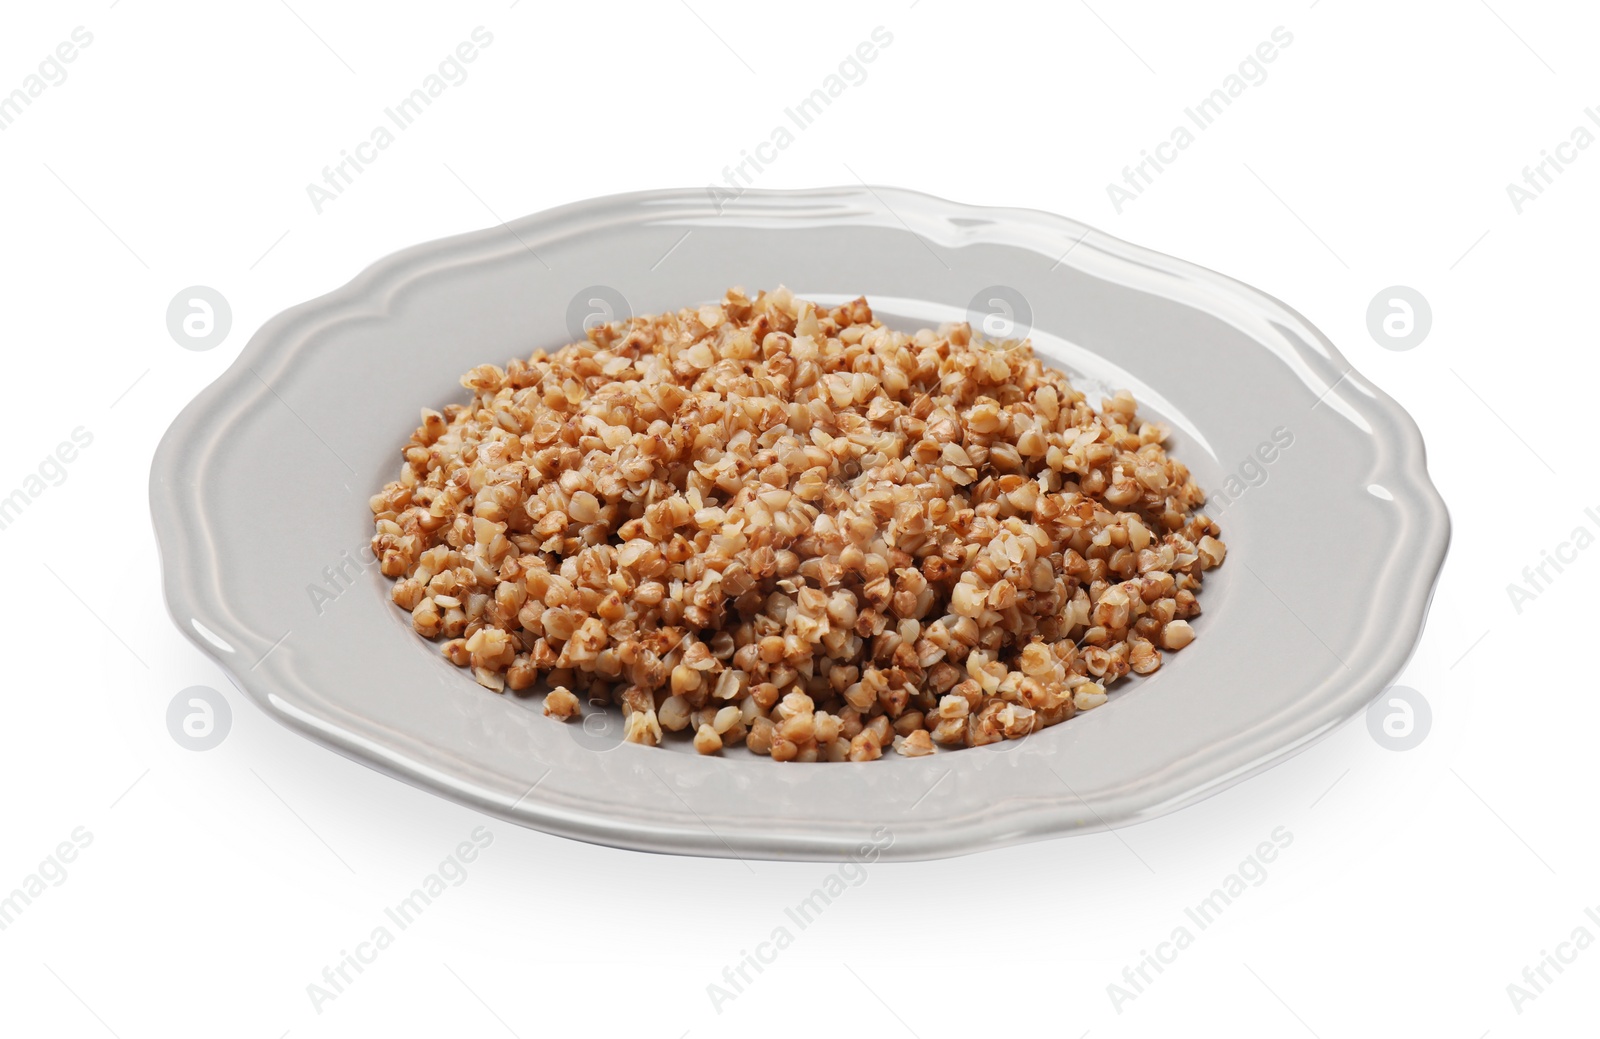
(259, 492)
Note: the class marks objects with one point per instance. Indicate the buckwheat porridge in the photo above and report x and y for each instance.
(768, 523)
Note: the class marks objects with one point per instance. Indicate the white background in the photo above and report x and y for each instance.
(219, 884)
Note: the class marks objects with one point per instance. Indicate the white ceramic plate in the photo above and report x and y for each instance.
(260, 488)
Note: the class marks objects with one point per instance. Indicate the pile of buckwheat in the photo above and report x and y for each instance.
(769, 523)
